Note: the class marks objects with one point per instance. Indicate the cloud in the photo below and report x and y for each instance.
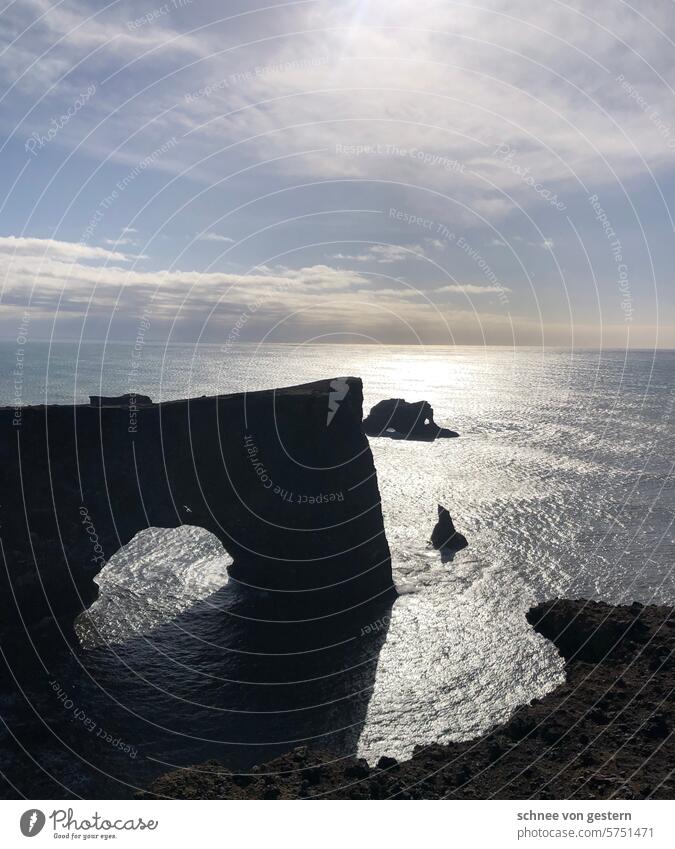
(48, 248)
(123, 240)
(546, 244)
(62, 33)
(472, 289)
(49, 274)
(326, 107)
(279, 303)
(540, 80)
(519, 76)
(394, 253)
(213, 237)
(384, 254)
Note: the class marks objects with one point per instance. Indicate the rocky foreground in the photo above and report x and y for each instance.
(605, 733)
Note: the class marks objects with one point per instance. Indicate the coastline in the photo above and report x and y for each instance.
(605, 733)
(595, 736)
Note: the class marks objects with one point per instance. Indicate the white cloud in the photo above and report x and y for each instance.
(213, 237)
(302, 302)
(430, 84)
(424, 94)
(123, 240)
(394, 253)
(56, 275)
(384, 254)
(472, 289)
(44, 248)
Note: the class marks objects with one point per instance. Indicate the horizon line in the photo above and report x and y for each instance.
(317, 343)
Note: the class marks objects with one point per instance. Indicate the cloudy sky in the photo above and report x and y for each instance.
(498, 172)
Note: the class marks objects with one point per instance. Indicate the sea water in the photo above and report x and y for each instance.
(561, 481)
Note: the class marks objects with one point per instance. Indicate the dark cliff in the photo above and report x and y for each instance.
(284, 478)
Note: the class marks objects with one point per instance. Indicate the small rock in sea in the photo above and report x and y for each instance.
(387, 763)
(444, 534)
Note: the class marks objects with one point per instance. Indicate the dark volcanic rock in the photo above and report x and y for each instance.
(289, 490)
(607, 732)
(399, 419)
(444, 534)
(128, 400)
(590, 634)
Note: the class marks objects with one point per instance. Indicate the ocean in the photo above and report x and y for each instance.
(561, 480)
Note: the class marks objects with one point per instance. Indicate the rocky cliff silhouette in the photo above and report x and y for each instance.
(290, 490)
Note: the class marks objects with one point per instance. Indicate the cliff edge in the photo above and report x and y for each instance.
(606, 733)
(284, 478)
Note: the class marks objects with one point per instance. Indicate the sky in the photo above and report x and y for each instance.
(393, 172)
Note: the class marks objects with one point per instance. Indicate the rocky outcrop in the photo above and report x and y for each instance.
(592, 632)
(128, 400)
(444, 534)
(399, 419)
(289, 490)
(605, 733)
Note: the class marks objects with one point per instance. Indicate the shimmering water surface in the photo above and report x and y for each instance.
(561, 481)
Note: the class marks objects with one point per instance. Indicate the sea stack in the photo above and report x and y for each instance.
(399, 419)
(444, 535)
